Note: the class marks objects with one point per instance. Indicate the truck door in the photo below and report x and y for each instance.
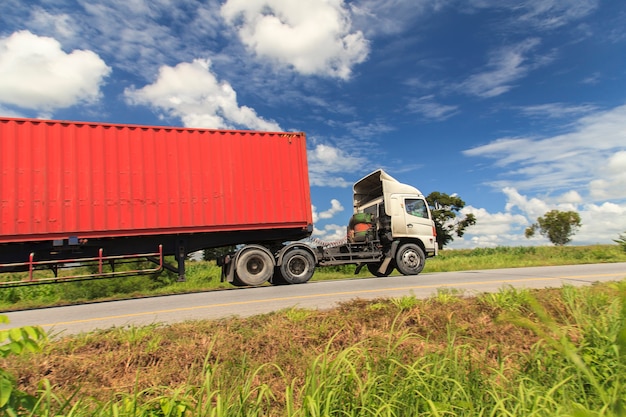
(411, 218)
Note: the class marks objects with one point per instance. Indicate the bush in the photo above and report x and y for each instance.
(15, 342)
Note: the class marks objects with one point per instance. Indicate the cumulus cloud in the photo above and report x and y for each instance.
(613, 182)
(601, 223)
(312, 36)
(193, 93)
(335, 207)
(35, 73)
(326, 162)
(330, 233)
(491, 229)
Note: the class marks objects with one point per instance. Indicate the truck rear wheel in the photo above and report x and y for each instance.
(410, 259)
(297, 267)
(254, 267)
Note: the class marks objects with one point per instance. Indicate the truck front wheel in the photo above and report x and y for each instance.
(254, 267)
(297, 267)
(410, 259)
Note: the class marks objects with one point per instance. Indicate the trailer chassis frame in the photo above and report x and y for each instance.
(99, 261)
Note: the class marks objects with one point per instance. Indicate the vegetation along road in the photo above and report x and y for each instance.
(314, 295)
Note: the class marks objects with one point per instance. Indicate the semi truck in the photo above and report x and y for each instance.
(101, 194)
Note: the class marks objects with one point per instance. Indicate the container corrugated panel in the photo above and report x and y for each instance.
(62, 179)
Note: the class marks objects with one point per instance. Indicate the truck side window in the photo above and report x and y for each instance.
(416, 207)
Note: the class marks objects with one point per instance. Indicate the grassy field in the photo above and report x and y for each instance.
(557, 352)
(203, 276)
(513, 353)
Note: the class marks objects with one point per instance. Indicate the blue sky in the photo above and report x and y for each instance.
(519, 107)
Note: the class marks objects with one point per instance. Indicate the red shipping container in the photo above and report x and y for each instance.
(97, 180)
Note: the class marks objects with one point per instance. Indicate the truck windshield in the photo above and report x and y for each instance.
(416, 207)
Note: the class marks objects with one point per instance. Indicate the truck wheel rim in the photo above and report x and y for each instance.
(255, 265)
(297, 266)
(410, 259)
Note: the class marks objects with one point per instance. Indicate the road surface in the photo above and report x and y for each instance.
(244, 302)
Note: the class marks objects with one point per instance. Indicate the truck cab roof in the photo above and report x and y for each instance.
(379, 184)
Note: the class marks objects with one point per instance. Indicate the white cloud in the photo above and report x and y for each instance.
(541, 14)
(491, 229)
(62, 24)
(549, 14)
(429, 108)
(556, 110)
(614, 181)
(590, 157)
(312, 36)
(330, 233)
(136, 36)
(326, 162)
(505, 66)
(335, 207)
(193, 93)
(601, 223)
(35, 73)
(391, 16)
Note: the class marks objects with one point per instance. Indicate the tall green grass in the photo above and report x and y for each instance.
(577, 368)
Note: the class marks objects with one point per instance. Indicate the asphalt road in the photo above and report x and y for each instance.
(243, 302)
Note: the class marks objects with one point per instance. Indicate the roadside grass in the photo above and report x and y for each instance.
(205, 276)
(514, 353)
(523, 256)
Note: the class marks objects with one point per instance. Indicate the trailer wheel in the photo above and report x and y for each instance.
(410, 259)
(373, 268)
(297, 267)
(254, 267)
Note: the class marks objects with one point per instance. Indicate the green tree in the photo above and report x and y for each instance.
(557, 226)
(446, 211)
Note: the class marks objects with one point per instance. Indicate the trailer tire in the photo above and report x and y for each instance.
(297, 267)
(373, 268)
(410, 259)
(254, 267)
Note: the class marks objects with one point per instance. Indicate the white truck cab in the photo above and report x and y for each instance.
(403, 218)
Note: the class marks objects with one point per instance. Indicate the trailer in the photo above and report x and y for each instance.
(98, 194)
(76, 192)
